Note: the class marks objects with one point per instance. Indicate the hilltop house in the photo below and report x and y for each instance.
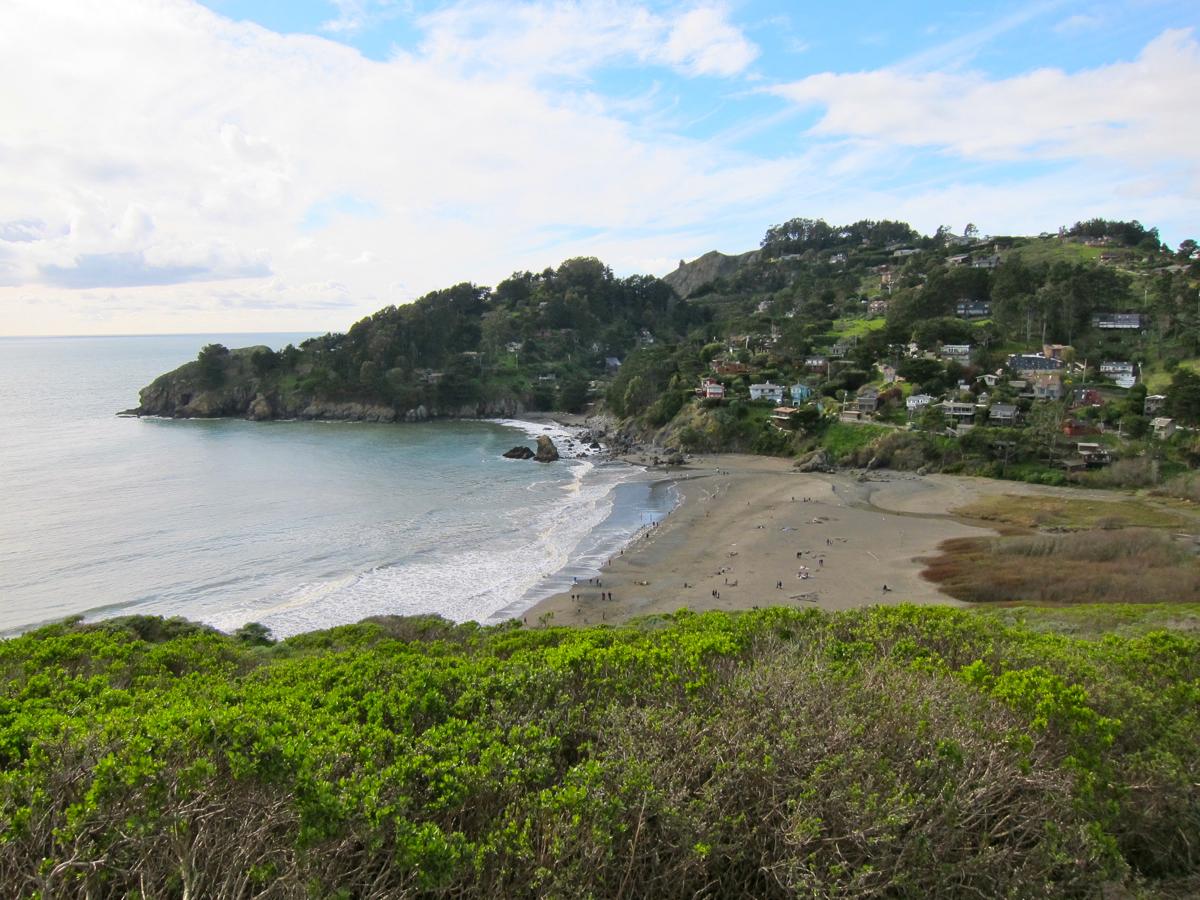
(1002, 414)
(711, 390)
(917, 403)
(972, 309)
(781, 416)
(1154, 403)
(816, 363)
(956, 352)
(868, 398)
(877, 308)
(889, 373)
(958, 411)
(800, 392)
(1046, 386)
(1131, 321)
(611, 364)
(1028, 364)
(986, 262)
(766, 391)
(1163, 428)
(1119, 371)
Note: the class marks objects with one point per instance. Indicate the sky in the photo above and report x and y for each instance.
(173, 166)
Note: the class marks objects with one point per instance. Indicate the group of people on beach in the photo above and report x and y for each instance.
(596, 582)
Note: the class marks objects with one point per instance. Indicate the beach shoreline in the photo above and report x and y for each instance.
(751, 531)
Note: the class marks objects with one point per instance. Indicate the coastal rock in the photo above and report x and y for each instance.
(817, 461)
(546, 451)
(348, 411)
(260, 410)
(673, 458)
(518, 452)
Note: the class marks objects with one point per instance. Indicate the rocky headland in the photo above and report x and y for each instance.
(232, 387)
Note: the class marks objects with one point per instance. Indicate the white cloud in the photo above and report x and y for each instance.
(1129, 112)
(703, 42)
(355, 15)
(559, 38)
(1078, 22)
(161, 151)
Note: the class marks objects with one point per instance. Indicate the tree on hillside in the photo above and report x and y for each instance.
(212, 365)
(1045, 422)
(1183, 397)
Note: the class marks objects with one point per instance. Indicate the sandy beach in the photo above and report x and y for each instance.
(751, 531)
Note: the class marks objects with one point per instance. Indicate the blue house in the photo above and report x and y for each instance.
(800, 392)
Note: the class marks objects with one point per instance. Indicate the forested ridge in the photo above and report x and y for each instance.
(899, 752)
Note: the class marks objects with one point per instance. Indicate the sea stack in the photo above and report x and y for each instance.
(546, 451)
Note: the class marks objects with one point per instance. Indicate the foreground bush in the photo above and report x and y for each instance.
(892, 752)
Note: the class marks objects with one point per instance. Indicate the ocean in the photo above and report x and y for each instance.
(297, 525)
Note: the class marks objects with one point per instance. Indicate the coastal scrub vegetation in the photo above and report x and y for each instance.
(898, 751)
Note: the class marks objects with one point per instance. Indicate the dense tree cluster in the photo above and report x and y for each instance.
(466, 344)
(800, 235)
(1126, 234)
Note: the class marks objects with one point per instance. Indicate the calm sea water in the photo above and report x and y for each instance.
(298, 525)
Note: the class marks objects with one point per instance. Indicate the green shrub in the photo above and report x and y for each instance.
(895, 751)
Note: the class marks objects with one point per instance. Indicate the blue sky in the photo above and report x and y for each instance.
(179, 166)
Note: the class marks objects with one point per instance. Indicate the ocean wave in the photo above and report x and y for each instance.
(525, 547)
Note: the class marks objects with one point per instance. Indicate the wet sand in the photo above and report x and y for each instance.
(748, 527)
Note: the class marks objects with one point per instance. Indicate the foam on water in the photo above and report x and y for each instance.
(517, 567)
(299, 525)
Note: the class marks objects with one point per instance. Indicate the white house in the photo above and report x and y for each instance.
(957, 352)
(1163, 427)
(767, 391)
(917, 402)
(1112, 368)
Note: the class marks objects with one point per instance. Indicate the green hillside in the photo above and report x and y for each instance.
(898, 752)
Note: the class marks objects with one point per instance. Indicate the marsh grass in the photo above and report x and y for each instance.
(1073, 513)
(1119, 566)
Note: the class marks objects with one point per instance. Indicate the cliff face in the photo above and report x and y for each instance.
(690, 277)
(238, 392)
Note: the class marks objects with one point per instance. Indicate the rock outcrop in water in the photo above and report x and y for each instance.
(519, 452)
(546, 451)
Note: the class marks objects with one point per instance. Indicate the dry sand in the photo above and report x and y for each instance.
(747, 523)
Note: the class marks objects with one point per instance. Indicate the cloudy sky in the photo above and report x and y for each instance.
(174, 166)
